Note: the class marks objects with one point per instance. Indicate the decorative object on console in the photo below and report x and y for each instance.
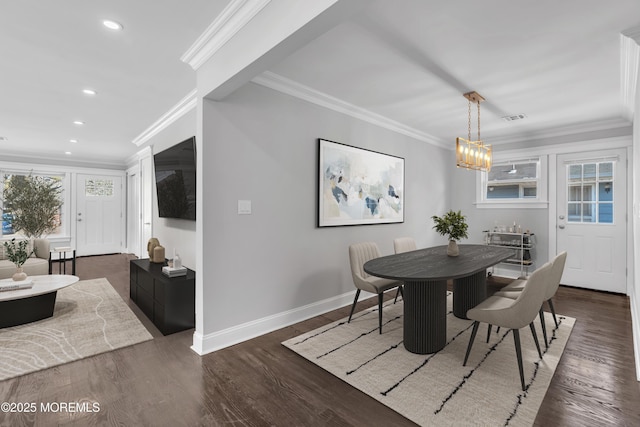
(153, 242)
(158, 255)
(18, 254)
(177, 261)
(473, 154)
(358, 186)
(454, 226)
(173, 271)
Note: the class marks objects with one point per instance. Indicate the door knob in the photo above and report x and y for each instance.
(79, 219)
(561, 217)
(561, 226)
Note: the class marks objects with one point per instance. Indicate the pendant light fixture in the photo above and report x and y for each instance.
(470, 154)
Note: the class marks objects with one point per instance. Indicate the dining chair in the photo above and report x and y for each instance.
(359, 254)
(513, 314)
(404, 244)
(513, 290)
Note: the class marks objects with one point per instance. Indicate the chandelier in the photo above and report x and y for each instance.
(473, 154)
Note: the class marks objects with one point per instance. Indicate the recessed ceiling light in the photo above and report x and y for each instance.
(68, 153)
(112, 25)
(89, 91)
(78, 122)
(73, 140)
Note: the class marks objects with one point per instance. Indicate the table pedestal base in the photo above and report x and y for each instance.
(468, 292)
(27, 310)
(425, 316)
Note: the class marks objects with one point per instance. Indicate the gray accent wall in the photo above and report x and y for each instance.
(463, 195)
(261, 145)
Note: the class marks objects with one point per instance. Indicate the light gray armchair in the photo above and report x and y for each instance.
(359, 254)
(513, 314)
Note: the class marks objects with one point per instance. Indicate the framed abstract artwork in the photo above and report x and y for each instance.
(358, 186)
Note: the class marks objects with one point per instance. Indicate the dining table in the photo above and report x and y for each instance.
(424, 273)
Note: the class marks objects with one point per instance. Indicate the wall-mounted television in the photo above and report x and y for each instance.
(175, 170)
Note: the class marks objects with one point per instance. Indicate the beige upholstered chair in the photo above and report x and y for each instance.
(359, 254)
(513, 290)
(404, 244)
(513, 314)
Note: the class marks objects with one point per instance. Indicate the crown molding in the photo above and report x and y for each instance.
(616, 125)
(232, 19)
(306, 93)
(135, 158)
(58, 162)
(629, 59)
(185, 105)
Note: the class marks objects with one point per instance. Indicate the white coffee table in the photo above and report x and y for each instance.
(36, 303)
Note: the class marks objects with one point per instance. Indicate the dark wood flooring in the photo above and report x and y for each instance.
(260, 383)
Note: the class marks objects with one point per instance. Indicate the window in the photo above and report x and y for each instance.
(7, 230)
(511, 182)
(590, 193)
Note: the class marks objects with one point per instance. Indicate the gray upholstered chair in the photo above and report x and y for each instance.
(359, 254)
(513, 290)
(513, 314)
(404, 244)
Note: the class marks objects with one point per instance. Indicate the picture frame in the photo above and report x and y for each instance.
(357, 186)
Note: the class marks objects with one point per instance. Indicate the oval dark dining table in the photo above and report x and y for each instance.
(425, 273)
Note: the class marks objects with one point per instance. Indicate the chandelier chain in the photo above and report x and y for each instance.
(469, 123)
(479, 121)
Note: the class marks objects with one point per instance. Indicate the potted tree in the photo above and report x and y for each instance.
(18, 254)
(454, 226)
(34, 203)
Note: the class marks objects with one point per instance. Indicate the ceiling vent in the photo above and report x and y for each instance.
(514, 117)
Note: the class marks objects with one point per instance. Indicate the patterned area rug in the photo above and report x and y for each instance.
(435, 389)
(89, 318)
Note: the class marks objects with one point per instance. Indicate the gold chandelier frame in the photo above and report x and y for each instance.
(474, 155)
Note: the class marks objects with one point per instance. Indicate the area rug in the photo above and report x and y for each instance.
(435, 389)
(89, 318)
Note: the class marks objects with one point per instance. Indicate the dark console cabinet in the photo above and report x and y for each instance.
(168, 302)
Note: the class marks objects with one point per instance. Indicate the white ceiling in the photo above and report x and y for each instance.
(51, 50)
(558, 62)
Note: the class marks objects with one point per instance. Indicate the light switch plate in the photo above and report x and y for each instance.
(244, 207)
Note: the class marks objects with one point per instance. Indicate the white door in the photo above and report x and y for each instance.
(99, 218)
(592, 227)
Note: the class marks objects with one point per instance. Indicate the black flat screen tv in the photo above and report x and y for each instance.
(175, 170)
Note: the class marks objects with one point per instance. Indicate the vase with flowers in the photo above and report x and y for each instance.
(18, 254)
(454, 226)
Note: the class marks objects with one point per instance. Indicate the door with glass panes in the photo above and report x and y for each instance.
(591, 219)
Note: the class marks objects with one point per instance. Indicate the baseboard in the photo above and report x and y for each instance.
(203, 344)
(635, 330)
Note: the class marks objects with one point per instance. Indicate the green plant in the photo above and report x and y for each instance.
(17, 253)
(34, 202)
(452, 224)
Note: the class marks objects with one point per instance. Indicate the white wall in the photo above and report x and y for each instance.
(635, 223)
(261, 145)
(174, 233)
